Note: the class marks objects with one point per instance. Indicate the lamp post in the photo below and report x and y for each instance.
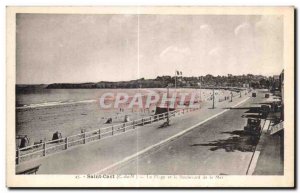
(175, 79)
(167, 123)
(213, 106)
(199, 94)
(168, 110)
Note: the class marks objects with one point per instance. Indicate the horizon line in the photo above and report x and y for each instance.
(86, 82)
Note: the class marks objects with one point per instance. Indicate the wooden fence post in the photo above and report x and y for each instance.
(143, 121)
(99, 133)
(18, 156)
(133, 124)
(66, 143)
(124, 127)
(150, 120)
(44, 149)
(112, 130)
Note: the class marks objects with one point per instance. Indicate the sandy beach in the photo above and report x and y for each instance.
(39, 122)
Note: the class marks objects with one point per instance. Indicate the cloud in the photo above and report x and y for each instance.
(206, 29)
(175, 50)
(244, 27)
(215, 51)
(269, 23)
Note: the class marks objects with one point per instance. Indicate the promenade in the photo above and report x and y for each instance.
(217, 147)
(130, 152)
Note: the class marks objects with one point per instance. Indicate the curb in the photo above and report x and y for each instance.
(255, 156)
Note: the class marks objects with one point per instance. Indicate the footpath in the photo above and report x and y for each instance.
(269, 151)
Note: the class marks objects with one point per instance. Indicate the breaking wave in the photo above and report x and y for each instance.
(47, 104)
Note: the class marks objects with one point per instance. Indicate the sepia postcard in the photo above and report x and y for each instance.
(150, 97)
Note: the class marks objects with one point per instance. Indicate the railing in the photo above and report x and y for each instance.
(49, 147)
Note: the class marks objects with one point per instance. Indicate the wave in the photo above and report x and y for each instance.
(48, 104)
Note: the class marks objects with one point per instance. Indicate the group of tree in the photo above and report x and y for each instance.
(255, 81)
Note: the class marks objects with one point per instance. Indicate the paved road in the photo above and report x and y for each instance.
(220, 146)
(96, 156)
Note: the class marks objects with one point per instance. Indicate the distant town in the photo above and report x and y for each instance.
(207, 81)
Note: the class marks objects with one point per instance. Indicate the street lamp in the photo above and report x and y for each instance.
(168, 109)
(167, 123)
(199, 84)
(213, 106)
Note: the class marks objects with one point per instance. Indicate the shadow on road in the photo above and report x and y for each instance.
(239, 141)
(251, 112)
(252, 116)
(249, 109)
(264, 103)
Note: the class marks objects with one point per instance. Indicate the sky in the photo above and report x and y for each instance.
(56, 48)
